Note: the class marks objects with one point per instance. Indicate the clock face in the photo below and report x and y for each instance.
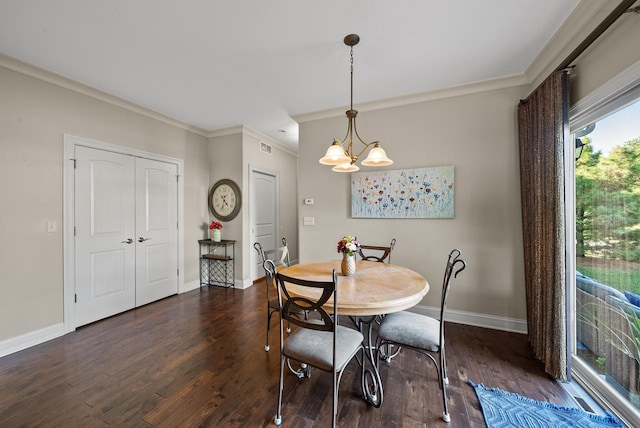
(224, 200)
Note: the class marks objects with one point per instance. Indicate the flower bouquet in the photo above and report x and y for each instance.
(215, 228)
(348, 246)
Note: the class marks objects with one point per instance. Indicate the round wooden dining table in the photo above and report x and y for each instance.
(375, 289)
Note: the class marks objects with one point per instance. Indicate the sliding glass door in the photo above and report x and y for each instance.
(606, 256)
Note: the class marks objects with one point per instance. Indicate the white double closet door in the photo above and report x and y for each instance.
(126, 232)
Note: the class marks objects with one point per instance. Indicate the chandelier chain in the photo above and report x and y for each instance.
(351, 78)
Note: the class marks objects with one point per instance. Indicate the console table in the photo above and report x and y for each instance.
(217, 262)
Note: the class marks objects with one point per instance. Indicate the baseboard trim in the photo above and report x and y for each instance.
(479, 320)
(37, 337)
(243, 284)
(238, 283)
(30, 339)
(190, 286)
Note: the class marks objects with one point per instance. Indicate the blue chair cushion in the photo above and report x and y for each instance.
(410, 329)
(633, 298)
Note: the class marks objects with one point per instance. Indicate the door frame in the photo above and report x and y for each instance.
(69, 285)
(276, 174)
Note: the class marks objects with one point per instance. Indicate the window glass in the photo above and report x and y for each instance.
(607, 234)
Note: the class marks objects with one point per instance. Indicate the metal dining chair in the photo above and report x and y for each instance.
(424, 334)
(377, 253)
(279, 255)
(382, 254)
(319, 341)
(282, 254)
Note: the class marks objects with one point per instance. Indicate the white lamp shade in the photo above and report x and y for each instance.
(335, 155)
(345, 167)
(377, 157)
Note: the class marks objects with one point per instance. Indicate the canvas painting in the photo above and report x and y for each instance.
(407, 193)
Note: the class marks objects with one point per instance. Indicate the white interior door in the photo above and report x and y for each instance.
(156, 230)
(105, 232)
(264, 216)
(126, 232)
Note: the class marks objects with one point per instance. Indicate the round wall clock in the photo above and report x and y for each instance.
(225, 200)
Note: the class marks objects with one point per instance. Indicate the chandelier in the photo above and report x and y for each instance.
(344, 159)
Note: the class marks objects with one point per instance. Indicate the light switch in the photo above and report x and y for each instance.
(52, 226)
(309, 221)
(308, 201)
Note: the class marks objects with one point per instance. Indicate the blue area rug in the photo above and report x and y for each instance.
(503, 409)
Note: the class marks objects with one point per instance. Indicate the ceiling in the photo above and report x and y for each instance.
(218, 64)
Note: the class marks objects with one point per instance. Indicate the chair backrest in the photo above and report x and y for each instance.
(376, 253)
(293, 305)
(269, 280)
(455, 265)
(279, 255)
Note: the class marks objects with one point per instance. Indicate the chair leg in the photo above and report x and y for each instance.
(278, 419)
(444, 382)
(335, 398)
(269, 314)
(445, 416)
(443, 366)
(388, 352)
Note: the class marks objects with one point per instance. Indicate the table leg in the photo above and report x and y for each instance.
(371, 382)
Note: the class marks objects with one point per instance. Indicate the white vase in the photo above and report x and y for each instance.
(348, 265)
(215, 235)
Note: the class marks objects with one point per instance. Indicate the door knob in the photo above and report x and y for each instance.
(128, 241)
(141, 239)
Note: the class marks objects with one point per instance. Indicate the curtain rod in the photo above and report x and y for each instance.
(622, 8)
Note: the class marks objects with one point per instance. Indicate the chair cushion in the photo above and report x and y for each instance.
(633, 298)
(315, 347)
(415, 330)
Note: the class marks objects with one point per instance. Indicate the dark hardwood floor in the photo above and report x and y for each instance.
(198, 359)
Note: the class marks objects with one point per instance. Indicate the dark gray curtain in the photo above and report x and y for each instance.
(543, 124)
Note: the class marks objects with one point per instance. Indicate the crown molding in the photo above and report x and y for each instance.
(586, 16)
(454, 91)
(226, 131)
(245, 130)
(582, 21)
(35, 72)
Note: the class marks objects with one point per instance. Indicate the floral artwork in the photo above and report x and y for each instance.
(407, 193)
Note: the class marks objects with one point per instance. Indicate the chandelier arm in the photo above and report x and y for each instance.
(355, 130)
(366, 147)
(349, 140)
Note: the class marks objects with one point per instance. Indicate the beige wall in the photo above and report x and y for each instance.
(608, 56)
(34, 115)
(475, 133)
(225, 156)
(231, 156)
(285, 163)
